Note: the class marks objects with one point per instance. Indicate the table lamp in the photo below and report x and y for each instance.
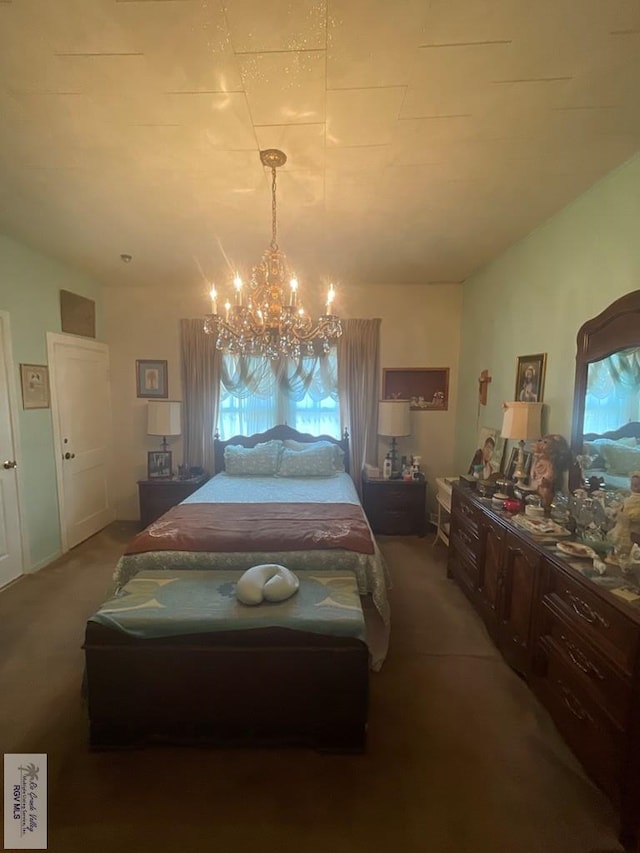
(394, 420)
(163, 418)
(522, 422)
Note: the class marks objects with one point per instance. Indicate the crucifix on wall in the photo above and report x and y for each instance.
(483, 383)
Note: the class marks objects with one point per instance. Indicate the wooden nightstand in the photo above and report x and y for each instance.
(395, 507)
(157, 496)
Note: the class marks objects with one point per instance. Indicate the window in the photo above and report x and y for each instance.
(256, 394)
(612, 397)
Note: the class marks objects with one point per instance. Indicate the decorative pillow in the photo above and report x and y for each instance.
(261, 460)
(338, 452)
(267, 582)
(312, 462)
(620, 459)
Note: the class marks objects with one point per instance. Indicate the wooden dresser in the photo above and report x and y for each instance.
(576, 643)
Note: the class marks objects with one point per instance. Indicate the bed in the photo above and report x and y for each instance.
(613, 456)
(280, 496)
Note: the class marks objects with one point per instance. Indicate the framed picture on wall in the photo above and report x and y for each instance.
(530, 378)
(151, 378)
(34, 379)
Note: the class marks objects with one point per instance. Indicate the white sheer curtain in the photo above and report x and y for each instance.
(257, 393)
(613, 392)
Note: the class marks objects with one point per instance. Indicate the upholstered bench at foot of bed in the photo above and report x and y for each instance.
(260, 685)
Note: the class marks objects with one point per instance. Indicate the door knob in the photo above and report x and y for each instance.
(68, 455)
(10, 464)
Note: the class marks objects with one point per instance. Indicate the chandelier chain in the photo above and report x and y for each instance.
(274, 220)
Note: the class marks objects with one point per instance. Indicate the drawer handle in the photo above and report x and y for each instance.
(584, 611)
(466, 510)
(580, 659)
(573, 704)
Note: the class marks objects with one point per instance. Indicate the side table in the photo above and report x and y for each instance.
(157, 496)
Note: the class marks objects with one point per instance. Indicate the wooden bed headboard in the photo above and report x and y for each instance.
(282, 432)
(630, 430)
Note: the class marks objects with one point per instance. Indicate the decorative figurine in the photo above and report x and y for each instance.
(627, 528)
(551, 458)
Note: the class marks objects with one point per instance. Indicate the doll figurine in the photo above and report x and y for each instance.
(551, 457)
(627, 527)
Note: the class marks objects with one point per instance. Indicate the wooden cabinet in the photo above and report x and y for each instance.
(395, 507)
(491, 576)
(576, 643)
(520, 580)
(157, 496)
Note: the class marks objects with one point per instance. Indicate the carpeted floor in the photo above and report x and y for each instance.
(461, 758)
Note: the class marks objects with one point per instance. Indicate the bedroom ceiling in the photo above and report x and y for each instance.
(422, 138)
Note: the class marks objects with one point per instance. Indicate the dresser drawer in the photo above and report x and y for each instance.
(609, 687)
(586, 727)
(467, 545)
(464, 572)
(608, 628)
(466, 515)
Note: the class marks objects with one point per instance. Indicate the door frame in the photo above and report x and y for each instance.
(14, 402)
(54, 338)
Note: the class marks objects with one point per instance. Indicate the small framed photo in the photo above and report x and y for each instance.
(510, 470)
(159, 465)
(34, 379)
(151, 378)
(530, 378)
(487, 459)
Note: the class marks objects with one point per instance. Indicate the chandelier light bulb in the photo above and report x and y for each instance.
(213, 293)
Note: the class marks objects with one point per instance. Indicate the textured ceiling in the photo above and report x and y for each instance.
(422, 137)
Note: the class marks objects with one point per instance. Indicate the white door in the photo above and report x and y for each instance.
(81, 409)
(11, 552)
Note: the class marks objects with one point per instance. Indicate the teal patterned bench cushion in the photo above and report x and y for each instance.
(165, 604)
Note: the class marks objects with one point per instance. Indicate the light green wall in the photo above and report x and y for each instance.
(535, 297)
(29, 291)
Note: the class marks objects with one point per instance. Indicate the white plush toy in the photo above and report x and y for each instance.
(268, 582)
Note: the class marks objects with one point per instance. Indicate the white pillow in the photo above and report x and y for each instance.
(312, 462)
(266, 582)
(338, 452)
(261, 460)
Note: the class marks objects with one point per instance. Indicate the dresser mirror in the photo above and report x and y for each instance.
(605, 437)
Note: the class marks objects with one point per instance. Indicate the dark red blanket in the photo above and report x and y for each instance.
(257, 527)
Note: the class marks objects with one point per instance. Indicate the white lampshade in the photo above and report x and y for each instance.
(163, 417)
(521, 421)
(394, 418)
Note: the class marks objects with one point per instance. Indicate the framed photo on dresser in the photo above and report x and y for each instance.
(159, 465)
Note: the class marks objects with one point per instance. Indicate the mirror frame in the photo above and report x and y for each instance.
(615, 328)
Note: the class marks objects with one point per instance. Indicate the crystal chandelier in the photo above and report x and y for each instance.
(269, 319)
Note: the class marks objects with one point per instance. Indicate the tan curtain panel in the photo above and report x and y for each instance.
(359, 389)
(201, 363)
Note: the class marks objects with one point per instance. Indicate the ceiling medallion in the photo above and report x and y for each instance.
(267, 317)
